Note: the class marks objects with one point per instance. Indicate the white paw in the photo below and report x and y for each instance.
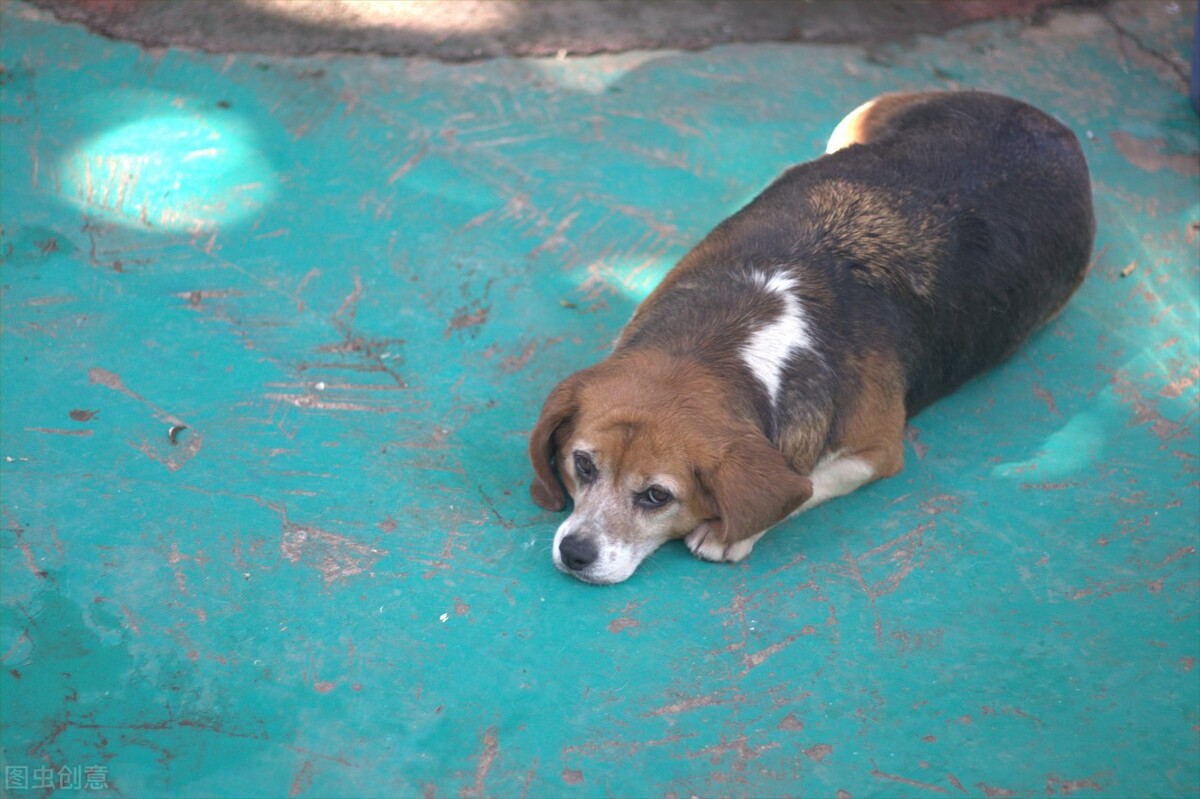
(706, 546)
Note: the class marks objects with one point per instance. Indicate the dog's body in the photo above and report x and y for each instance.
(776, 364)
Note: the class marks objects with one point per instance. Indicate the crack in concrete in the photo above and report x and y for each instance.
(1124, 33)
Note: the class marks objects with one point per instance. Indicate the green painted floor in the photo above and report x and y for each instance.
(354, 280)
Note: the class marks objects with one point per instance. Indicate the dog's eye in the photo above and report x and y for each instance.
(653, 497)
(585, 468)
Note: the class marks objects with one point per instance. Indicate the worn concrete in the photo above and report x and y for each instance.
(273, 332)
(465, 30)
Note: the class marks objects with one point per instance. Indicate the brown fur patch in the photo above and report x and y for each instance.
(873, 428)
(803, 444)
(883, 247)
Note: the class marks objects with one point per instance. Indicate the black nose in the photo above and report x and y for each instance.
(577, 552)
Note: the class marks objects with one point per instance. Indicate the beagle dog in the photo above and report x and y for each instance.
(775, 366)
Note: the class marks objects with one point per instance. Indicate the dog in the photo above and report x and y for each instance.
(777, 363)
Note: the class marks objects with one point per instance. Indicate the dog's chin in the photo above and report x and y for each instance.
(591, 577)
(584, 577)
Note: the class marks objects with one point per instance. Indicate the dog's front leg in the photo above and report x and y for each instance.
(839, 473)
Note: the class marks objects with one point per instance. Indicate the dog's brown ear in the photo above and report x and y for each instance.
(546, 489)
(753, 487)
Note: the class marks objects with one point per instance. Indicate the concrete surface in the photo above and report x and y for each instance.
(464, 30)
(273, 332)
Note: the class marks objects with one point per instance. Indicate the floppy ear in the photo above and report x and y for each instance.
(546, 489)
(753, 487)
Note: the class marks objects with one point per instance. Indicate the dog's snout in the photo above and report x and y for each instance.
(577, 552)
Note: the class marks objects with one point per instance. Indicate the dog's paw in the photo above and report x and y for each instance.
(706, 545)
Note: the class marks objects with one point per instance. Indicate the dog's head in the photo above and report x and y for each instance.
(649, 449)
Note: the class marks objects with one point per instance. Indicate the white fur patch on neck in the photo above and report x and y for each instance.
(768, 349)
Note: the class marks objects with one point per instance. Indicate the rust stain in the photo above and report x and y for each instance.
(1179, 553)
(336, 557)
(905, 781)
(111, 380)
(757, 659)
(739, 746)
(197, 297)
(902, 551)
(1011, 711)
(515, 363)
(937, 505)
(449, 545)
(557, 238)
(572, 776)
(630, 747)
(408, 165)
(1109, 588)
(790, 722)
(131, 620)
(1145, 411)
(1056, 785)
(1179, 385)
(174, 557)
(173, 464)
(26, 550)
(303, 284)
(311, 401)
(83, 416)
(1148, 154)
(55, 431)
(529, 778)
(688, 704)
(23, 639)
(616, 625)
(38, 302)
(797, 560)
(1048, 398)
(818, 752)
(477, 221)
(463, 320)
(491, 747)
(303, 779)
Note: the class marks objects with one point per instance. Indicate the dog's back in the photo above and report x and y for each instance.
(943, 229)
(1006, 188)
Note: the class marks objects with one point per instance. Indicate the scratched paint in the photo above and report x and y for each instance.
(372, 271)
